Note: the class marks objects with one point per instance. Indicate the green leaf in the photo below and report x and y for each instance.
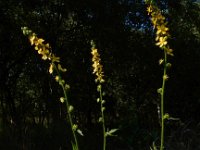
(166, 116)
(79, 132)
(110, 133)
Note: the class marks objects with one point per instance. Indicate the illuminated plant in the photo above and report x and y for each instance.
(56, 69)
(162, 35)
(98, 71)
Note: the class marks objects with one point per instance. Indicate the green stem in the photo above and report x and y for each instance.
(67, 105)
(103, 120)
(162, 102)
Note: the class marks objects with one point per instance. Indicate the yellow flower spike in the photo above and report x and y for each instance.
(97, 67)
(44, 50)
(51, 68)
(159, 23)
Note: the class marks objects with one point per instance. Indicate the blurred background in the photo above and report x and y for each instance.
(31, 115)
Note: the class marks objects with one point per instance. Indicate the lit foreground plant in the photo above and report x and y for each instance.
(56, 69)
(98, 71)
(162, 35)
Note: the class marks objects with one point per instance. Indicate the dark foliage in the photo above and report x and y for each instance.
(31, 116)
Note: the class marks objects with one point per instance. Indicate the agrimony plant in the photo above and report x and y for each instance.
(98, 71)
(55, 69)
(162, 35)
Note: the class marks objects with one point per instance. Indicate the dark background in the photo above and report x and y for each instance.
(31, 116)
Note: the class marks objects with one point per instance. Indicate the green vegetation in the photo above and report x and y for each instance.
(107, 97)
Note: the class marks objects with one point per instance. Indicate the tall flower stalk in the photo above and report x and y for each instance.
(98, 71)
(162, 35)
(56, 69)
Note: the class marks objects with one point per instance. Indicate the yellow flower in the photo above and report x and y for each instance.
(149, 9)
(57, 78)
(40, 51)
(94, 52)
(162, 42)
(39, 42)
(44, 57)
(162, 29)
(161, 61)
(47, 46)
(54, 58)
(51, 68)
(32, 39)
(169, 51)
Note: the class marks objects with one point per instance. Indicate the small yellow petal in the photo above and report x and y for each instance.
(44, 57)
(51, 68)
(57, 78)
(32, 39)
